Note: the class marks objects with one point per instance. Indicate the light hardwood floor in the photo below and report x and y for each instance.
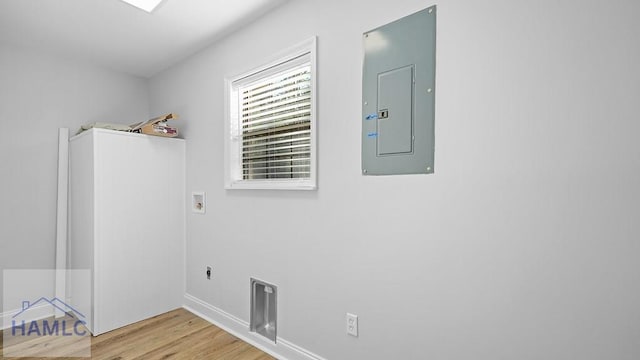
(178, 334)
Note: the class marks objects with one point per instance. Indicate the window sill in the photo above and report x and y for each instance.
(271, 185)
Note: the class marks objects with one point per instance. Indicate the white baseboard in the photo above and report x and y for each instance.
(282, 349)
(37, 312)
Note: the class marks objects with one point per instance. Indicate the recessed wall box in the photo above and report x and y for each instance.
(398, 89)
(198, 204)
(263, 316)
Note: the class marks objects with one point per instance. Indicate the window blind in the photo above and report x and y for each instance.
(275, 124)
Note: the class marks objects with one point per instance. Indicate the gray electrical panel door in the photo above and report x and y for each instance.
(398, 88)
(395, 101)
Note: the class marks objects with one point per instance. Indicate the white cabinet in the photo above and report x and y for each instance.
(127, 214)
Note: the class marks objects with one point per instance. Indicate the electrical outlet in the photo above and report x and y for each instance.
(352, 325)
(208, 272)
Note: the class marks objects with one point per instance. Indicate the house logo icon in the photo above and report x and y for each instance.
(71, 325)
(55, 302)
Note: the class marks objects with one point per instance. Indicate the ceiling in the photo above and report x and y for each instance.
(119, 36)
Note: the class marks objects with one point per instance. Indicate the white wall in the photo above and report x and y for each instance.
(39, 94)
(524, 244)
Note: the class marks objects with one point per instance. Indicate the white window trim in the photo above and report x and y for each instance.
(232, 145)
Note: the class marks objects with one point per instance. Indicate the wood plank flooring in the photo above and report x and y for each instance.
(178, 334)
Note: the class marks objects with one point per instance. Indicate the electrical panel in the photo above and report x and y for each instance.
(398, 89)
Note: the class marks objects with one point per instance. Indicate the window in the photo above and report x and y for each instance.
(270, 141)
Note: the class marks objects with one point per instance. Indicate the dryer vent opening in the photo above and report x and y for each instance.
(264, 309)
